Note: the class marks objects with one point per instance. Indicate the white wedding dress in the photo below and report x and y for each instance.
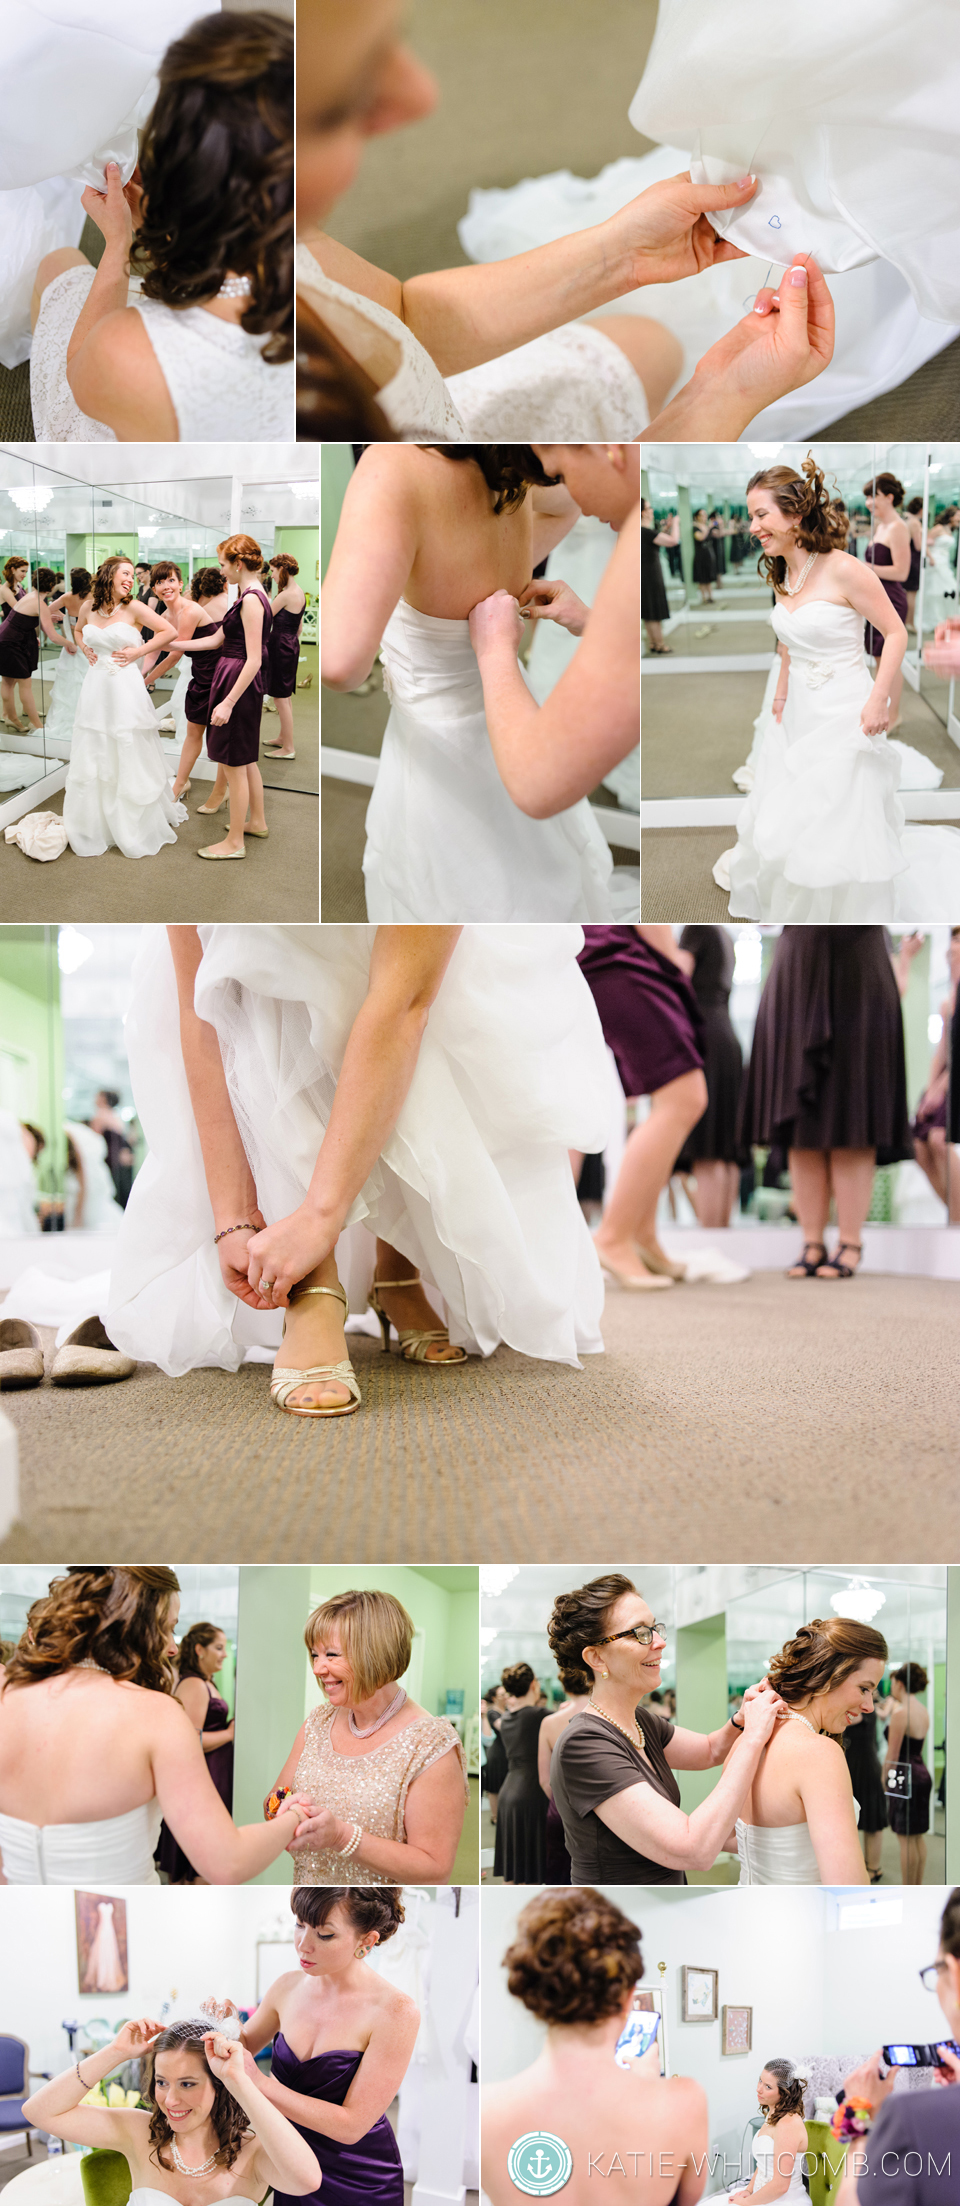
(118, 787)
(68, 680)
(916, 770)
(849, 118)
(217, 380)
(444, 840)
(117, 1850)
(779, 1853)
(473, 1184)
(823, 837)
(765, 2154)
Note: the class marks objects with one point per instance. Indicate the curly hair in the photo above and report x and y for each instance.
(162, 570)
(377, 1907)
(791, 2088)
(44, 579)
(507, 469)
(912, 1676)
(102, 594)
(803, 498)
(575, 1956)
(108, 1613)
(375, 1632)
(217, 170)
(576, 1681)
(950, 1924)
(821, 1655)
(80, 581)
(207, 582)
(242, 550)
(889, 486)
(579, 1619)
(517, 1679)
(231, 2123)
(199, 1635)
(12, 567)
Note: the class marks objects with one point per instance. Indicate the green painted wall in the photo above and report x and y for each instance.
(916, 1011)
(30, 1024)
(105, 544)
(273, 1608)
(952, 1727)
(336, 468)
(701, 1696)
(448, 1622)
(303, 545)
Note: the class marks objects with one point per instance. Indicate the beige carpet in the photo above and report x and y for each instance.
(731, 1423)
(278, 880)
(697, 728)
(676, 874)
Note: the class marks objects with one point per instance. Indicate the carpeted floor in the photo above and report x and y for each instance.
(343, 811)
(697, 728)
(730, 1422)
(279, 882)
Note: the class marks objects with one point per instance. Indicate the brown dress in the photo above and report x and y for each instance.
(828, 1067)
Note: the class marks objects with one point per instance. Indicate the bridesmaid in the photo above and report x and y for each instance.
(576, 1688)
(202, 1653)
(236, 694)
(199, 616)
(342, 2042)
(889, 550)
(284, 651)
(20, 650)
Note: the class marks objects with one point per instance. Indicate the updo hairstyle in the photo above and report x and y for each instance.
(369, 1907)
(579, 1619)
(912, 1676)
(575, 1957)
(888, 486)
(199, 1635)
(791, 2088)
(821, 1655)
(802, 498)
(507, 469)
(517, 1679)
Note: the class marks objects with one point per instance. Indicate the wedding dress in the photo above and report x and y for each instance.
(569, 386)
(68, 680)
(771, 2165)
(916, 770)
(96, 1202)
(104, 1971)
(118, 786)
(823, 837)
(473, 1184)
(779, 1853)
(118, 1850)
(848, 117)
(444, 840)
(217, 379)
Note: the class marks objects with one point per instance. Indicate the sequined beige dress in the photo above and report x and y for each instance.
(369, 1789)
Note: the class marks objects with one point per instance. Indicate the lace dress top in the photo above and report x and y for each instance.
(370, 1789)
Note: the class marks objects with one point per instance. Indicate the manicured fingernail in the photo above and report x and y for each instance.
(798, 275)
(760, 307)
(742, 182)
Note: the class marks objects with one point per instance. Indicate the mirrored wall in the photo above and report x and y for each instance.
(70, 1141)
(52, 525)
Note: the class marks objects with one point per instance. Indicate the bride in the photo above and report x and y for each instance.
(423, 1083)
(799, 1819)
(823, 836)
(780, 2144)
(236, 2145)
(425, 533)
(117, 789)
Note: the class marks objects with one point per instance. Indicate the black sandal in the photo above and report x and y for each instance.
(833, 1264)
(804, 1269)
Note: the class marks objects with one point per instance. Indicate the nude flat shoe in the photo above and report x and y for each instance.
(210, 852)
(208, 809)
(663, 1265)
(89, 1358)
(21, 1355)
(647, 1285)
(260, 832)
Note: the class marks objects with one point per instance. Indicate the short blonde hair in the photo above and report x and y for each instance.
(376, 1634)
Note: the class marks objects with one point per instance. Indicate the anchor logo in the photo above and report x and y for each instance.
(539, 2163)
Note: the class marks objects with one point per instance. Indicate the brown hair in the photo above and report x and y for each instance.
(517, 1679)
(164, 568)
(199, 1635)
(822, 1654)
(229, 2120)
(39, 1137)
(790, 2087)
(888, 485)
(507, 469)
(285, 562)
(217, 167)
(803, 498)
(912, 1676)
(576, 1681)
(80, 581)
(575, 1956)
(11, 567)
(379, 1907)
(950, 1924)
(336, 398)
(44, 579)
(102, 594)
(376, 1635)
(241, 549)
(107, 1613)
(579, 1619)
(207, 582)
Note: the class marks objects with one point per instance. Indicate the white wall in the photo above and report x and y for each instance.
(873, 1994)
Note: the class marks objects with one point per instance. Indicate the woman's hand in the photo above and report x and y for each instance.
(667, 233)
(319, 1830)
(89, 654)
(232, 1253)
(784, 341)
(555, 601)
(135, 2038)
(867, 2083)
(778, 705)
(226, 2057)
(762, 1710)
(111, 211)
(949, 2069)
(126, 656)
(496, 621)
(221, 714)
(287, 1251)
(875, 716)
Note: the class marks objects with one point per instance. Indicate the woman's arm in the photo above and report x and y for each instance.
(193, 1696)
(544, 1755)
(898, 545)
(48, 625)
(289, 1770)
(230, 1184)
(653, 1826)
(823, 1782)
(549, 756)
(554, 515)
(221, 1852)
(407, 965)
(867, 595)
(164, 632)
(432, 1822)
(251, 614)
(785, 340)
(376, 2082)
(112, 368)
(56, 2106)
(187, 621)
(283, 2161)
(702, 1749)
(895, 1737)
(375, 547)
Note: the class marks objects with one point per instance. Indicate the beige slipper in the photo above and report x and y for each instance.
(89, 1358)
(21, 1355)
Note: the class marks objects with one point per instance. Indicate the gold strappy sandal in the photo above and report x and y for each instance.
(285, 1382)
(413, 1344)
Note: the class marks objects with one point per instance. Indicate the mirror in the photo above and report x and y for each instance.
(70, 1143)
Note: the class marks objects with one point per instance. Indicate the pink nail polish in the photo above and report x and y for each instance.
(742, 182)
(798, 275)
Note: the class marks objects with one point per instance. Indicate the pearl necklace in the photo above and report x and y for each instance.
(182, 2167)
(792, 589)
(88, 1663)
(369, 1729)
(624, 1733)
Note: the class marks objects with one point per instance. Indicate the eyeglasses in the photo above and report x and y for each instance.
(930, 1976)
(642, 1633)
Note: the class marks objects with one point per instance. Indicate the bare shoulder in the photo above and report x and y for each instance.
(395, 2006)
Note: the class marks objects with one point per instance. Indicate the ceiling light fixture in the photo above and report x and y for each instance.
(495, 1577)
(859, 1600)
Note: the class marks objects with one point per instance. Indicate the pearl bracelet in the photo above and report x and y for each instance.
(346, 1851)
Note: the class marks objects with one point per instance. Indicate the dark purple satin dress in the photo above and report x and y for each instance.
(19, 645)
(648, 1011)
(284, 654)
(202, 671)
(880, 555)
(238, 743)
(371, 2170)
(173, 1861)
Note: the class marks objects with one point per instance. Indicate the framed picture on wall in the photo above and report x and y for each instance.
(736, 2029)
(102, 1964)
(698, 1995)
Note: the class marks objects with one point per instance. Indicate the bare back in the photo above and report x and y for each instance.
(465, 551)
(75, 1748)
(791, 1757)
(614, 2113)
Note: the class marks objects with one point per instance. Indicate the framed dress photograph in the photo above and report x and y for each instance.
(102, 1964)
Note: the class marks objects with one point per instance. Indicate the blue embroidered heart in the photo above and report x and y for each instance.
(774, 223)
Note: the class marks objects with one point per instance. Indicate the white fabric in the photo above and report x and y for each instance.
(940, 582)
(71, 669)
(118, 1850)
(118, 787)
(100, 1212)
(849, 116)
(581, 560)
(444, 840)
(45, 1299)
(218, 382)
(39, 219)
(916, 770)
(822, 837)
(881, 335)
(473, 1184)
(18, 1186)
(573, 384)
(783, 1855)
(143, 2195)
(772, 2165)
(39, 835)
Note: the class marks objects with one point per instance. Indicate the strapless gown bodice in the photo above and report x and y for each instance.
(369, 2170)
(118, 1850)
(773, 2164)
(444, 840)
(778, 1856)
(823, 638)
(145, 2195)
